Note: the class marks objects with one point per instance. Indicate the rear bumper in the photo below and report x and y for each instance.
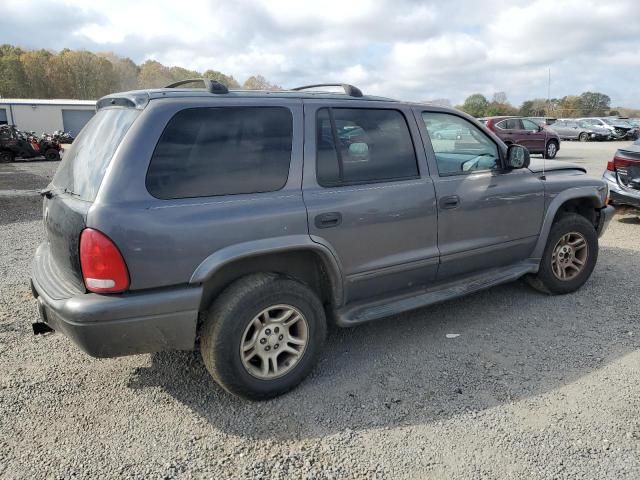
(621, 195)
(123, 324)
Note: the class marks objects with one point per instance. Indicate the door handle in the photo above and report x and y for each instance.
(327, 220)
(452, 201)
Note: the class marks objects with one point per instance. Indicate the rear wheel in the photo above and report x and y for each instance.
(551, 149)
(262, 335)
(583, 137)
(569, 256)
(52, 154)
(6, 156)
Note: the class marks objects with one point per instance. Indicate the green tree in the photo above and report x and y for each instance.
(12, 76)
(594, 103)
(475, 105)
(37, 69)
(125, 72)
(258, 82)
(227, 80)
(81, 74)
(154, 75)
(179, 73)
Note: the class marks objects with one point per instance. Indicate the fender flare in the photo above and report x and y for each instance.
(255, 248)
(595, 194)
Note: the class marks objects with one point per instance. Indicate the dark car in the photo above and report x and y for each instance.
(241, 222)
(523, 131)
(623, 175)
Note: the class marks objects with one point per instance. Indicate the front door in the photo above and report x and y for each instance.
(535, 136)
(488, 216)
(369, 196)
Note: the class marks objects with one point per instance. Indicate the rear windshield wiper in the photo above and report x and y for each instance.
(47, 192)
(50, 192)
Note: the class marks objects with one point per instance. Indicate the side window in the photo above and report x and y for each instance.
(222, 151)
(513, 124)
(363, 145)
(502, 125)
(469, 150)
(529, 125)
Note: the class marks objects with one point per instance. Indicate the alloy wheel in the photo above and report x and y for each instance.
(274, 342)
(569, 256)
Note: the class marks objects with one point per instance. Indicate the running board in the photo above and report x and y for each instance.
(366, 312)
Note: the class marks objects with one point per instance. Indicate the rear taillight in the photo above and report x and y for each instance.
(103, 267)
(620, 161)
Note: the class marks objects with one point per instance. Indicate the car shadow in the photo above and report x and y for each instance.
(513, 343)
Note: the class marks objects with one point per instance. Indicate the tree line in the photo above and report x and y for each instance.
(84, 75)
(587, 104)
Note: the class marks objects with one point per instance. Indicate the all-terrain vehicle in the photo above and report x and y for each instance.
(242, 222)
(17, 144)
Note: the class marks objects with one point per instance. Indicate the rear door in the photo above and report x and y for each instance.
(369, 196)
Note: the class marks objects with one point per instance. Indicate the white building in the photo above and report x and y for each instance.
(46, 115)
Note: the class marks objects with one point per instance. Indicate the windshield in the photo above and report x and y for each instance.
(83, 166)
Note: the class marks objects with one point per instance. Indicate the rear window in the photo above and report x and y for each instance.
(222, 151)
(363, 145)
(84, 164)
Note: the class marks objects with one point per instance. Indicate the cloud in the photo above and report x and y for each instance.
(407, 49)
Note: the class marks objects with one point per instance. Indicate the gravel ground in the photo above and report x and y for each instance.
(533, 386)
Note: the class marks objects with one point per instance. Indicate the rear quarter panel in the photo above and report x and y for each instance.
(164, 241)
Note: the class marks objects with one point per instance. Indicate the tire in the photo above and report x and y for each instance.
(551, 149)
(234, 314)
(548, 281)
(6, 156)
(52, 155)
(583, 137)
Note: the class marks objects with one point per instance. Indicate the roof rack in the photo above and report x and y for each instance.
(348, 89)
(212, 86)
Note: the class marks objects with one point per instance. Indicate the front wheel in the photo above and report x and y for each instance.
(551, 150)
(583, 137)
(261, 336)
(569, 256)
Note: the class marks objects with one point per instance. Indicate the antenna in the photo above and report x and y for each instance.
(544, 155)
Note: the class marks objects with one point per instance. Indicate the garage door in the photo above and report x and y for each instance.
(3, 116)
(74, 120)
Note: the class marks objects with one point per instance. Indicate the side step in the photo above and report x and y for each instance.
(366, 312)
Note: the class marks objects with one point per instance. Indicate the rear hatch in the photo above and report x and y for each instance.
(74, 188)
(626, 165)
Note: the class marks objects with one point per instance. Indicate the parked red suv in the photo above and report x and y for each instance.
(525, 132)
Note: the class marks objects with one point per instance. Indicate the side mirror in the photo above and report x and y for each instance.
(540, 128)
(517, 157)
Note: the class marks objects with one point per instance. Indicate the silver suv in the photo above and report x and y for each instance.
(242, 222)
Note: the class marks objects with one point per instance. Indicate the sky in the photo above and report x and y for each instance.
(410, 50)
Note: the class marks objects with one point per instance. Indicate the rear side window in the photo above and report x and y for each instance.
(363, 145)
(222, 151)
(83, 166)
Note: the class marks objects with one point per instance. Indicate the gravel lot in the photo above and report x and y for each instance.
(534, 386)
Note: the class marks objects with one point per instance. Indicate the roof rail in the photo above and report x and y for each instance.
(212, 86)
(348, 89)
